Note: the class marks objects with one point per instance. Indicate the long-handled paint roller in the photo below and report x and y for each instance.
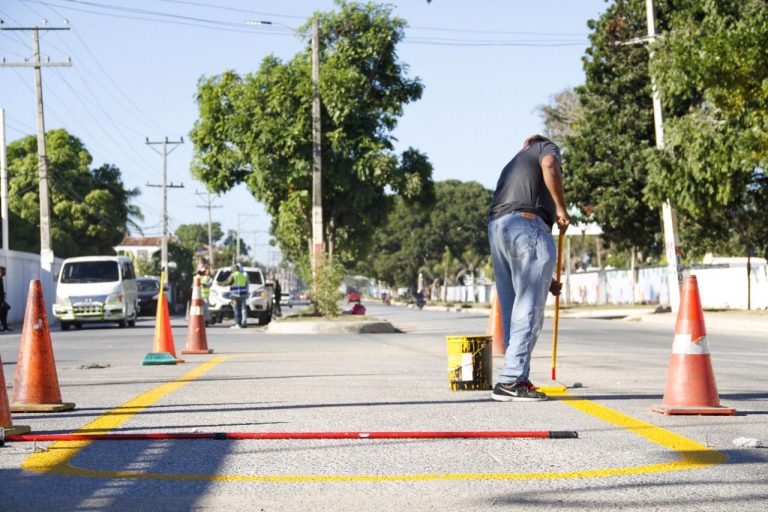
(556, 388)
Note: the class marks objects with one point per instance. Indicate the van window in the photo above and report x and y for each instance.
(254, 277)
(128, 271)
(90, 272)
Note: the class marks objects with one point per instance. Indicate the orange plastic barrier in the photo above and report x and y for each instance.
(36, 385)
(691, 387)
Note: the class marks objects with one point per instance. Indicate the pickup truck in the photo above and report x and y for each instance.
(259, 302)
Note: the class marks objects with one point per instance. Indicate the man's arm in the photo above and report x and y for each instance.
(553, 179)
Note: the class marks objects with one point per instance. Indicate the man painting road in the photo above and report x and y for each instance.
(528, 200)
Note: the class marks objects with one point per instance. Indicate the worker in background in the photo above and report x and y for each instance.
(238, 292)
(205, 289)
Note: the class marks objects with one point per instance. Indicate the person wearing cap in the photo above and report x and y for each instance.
(238, 292)
(528, 200)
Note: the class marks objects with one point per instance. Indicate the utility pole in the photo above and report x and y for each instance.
(210, 206)
(165, 186)
(46, 249)
(317, 191)
(672, 247)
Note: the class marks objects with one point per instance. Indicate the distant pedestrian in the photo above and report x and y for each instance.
(278, 311)
(4, 307)
(528, 200)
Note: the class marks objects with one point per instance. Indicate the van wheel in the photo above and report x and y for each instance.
(121, 323)
(65, 326)
(132, 323)
(265, 318)
(78, 325)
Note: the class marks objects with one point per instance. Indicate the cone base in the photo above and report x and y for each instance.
(207, 351)
(16, 430)
(158, 358)
(702, 410)
(19, 407)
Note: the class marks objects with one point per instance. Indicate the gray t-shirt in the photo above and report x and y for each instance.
(521, 185)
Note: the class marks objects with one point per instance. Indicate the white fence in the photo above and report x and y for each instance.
(720, 287)
(21, 268)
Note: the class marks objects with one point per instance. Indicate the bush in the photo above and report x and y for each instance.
(326, 294)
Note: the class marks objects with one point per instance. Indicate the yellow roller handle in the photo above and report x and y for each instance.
(557, 303)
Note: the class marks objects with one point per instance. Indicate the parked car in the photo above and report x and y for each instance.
(96, 289)
(353, 295)
(259, 301)
(286, 299)
(149, 293)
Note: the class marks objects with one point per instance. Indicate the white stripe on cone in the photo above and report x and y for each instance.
(683, 344)
(195, 311)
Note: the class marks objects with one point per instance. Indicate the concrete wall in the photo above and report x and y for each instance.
(720, 287)
(21, 268)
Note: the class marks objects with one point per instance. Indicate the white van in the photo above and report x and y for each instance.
(96, 289)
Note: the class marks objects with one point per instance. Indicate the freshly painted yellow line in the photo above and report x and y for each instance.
(57, 458)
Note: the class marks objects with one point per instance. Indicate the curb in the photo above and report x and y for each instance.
(331, 327)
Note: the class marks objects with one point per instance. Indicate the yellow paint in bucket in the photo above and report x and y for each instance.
(470, 362)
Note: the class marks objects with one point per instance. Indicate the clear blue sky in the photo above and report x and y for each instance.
(486, 66)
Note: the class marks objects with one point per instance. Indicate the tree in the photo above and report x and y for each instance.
(90, 208)
(195, 236)
(415, 237)
(605, 162)
(257, 129)
(561, 117)
(715, 58)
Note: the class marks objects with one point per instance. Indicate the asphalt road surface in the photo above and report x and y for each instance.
(626, 457)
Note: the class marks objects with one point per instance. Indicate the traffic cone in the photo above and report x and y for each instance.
(197, 342)
(495, 327)
(36, 385)
(163, 348)
(691, 385)
(6, 425)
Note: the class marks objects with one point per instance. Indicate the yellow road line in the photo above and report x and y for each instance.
(57, 458)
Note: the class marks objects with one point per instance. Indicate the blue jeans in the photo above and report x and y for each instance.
(524, 257)
(238, 307)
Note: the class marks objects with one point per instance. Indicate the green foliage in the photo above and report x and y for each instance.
(711, 64)
(715, 59)
(326, 294)
(605, 164)
(180, 276)
(144, 266)
(415, 236)
(90, 208)
(195, 236)
(256, 129)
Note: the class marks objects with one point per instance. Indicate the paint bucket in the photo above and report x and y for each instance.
(470, 362)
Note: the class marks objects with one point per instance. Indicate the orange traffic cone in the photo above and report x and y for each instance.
(495, 328)
(36, 385)
(6, 425)
(163, 348)
(691, 385)
(197, 341)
